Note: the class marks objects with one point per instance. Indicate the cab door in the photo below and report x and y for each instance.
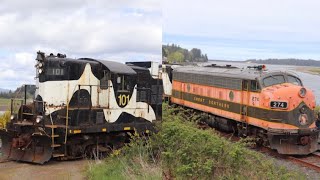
(244, 101)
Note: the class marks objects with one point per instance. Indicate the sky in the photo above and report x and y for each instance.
(245, 29)
(119, 30)
(131, 30)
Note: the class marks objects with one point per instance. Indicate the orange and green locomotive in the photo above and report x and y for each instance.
(272, 106)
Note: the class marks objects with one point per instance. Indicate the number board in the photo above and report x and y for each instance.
(278, 105)
(123, 99)
(55, 71)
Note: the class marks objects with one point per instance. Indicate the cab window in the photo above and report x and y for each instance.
(254, 86)
(124, 82)
(104, 80)
(294, 80)
(272, 80)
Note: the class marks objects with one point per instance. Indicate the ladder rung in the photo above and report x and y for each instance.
(29, 114)
(84, 108)
(64, 117)
(57, 155)
(55, 135)
(55, 126)
(52, 126)
(55, 145)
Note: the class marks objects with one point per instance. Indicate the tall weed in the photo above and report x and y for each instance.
(4, 118)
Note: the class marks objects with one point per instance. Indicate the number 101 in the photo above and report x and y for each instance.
(123, 99)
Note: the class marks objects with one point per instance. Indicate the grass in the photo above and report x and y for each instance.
(134, 161)
(317, 109)
(4, 102)
(315, 70)
(182, 151)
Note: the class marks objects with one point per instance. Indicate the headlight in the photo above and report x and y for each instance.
(303, 119)
(302, 92)
(303, 109)
(12, 117)
(39, 119)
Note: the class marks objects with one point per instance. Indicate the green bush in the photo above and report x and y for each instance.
(4, 118)
(137, 160)
(182, 151)
(191, 153)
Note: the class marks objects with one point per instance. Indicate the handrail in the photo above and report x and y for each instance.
(67, 116)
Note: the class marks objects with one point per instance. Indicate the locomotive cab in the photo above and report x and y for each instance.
(291, 110)
(285, 92)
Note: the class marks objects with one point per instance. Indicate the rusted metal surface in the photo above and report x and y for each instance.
(34, 149)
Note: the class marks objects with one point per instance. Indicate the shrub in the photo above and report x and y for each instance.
(4, 118)
(136, 160)
(182, 151)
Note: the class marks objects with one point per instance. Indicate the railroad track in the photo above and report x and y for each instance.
(311, 161)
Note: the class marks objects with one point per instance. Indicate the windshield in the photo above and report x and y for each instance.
(294, 80)
(279, 79)
(272, 80)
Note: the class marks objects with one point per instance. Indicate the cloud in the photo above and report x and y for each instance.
(126, 29)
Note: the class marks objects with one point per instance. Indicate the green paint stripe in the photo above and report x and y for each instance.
(211, 102)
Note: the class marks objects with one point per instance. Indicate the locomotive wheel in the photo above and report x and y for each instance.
(36, 150)
(97, 151)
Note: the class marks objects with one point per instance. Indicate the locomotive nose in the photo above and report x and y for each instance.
(298, 102)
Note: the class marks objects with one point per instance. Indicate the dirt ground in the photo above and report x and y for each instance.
(51, 170)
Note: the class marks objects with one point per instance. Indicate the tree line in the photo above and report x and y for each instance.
(175, 54)
(19, 92)
(290, 61)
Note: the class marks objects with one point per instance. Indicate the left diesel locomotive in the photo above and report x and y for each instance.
(83, 106)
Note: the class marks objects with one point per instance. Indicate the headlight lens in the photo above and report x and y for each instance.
(39, 119)
(303, 119)
(303, 109)
(302, 92)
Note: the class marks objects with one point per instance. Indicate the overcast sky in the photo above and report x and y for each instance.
(243, 29)
(121, 30)
(125, 30)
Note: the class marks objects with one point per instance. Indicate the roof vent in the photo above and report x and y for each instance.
(59, 55)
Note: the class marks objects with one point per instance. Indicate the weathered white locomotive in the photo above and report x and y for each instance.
(83, 106)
